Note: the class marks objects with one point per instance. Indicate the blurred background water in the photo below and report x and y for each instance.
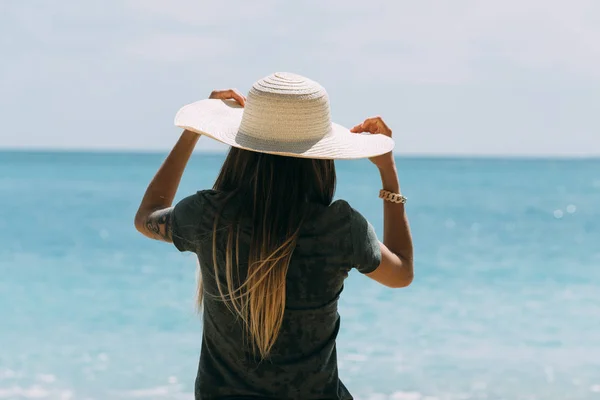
(505, 303)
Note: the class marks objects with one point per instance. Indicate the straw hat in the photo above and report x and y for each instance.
(285, 114)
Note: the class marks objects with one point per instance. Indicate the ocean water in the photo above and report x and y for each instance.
(505, 303)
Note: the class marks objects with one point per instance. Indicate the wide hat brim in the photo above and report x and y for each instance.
(221, 119)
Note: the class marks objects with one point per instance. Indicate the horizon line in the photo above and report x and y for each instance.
(125, 151)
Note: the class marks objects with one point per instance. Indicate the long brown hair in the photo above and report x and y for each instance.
(275, 193)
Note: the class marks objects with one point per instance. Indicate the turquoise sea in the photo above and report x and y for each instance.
(505, 303)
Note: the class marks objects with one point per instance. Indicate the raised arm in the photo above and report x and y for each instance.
(396, 267)
(153, 218)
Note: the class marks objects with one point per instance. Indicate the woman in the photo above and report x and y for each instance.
(273, 247)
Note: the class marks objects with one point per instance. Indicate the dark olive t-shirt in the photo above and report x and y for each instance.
(303, 361)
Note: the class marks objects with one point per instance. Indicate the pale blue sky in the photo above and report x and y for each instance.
(512, 77)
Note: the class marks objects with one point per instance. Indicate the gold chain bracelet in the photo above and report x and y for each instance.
(392, 197)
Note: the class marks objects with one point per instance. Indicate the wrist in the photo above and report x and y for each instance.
(387, 167)
(189, 135)
(389, 179)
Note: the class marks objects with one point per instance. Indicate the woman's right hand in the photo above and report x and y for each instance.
(376, 125)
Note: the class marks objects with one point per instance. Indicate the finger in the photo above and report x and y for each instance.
(229, 94)
(377, 125)
(372, 120)
(366, 126)
(239, 93)
(357, 129)
(222, 94)
(370, 125)
(237, 96)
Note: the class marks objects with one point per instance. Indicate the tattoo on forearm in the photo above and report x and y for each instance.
(159, 224)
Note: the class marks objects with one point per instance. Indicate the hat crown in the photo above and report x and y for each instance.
(288, 108)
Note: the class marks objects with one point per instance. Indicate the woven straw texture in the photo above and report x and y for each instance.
(285, 114)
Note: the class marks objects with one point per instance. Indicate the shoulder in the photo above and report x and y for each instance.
(356, 222)
(197, 201)
(201, 195)
(192, 217)
(341, 226)
(337, 211)
(342, 209)
(366, 251)
(338, 208)
(202, 207)
(339, 217)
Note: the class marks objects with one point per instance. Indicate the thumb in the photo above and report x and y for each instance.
(357, 128)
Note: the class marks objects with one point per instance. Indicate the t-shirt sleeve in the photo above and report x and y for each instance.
(366, 250)
(185, 222)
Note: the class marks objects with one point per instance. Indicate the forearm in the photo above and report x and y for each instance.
(396, 231)
(163, 187)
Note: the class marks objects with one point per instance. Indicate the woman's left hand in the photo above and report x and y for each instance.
(228, 94)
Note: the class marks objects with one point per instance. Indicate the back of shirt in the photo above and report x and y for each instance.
(303, 361)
